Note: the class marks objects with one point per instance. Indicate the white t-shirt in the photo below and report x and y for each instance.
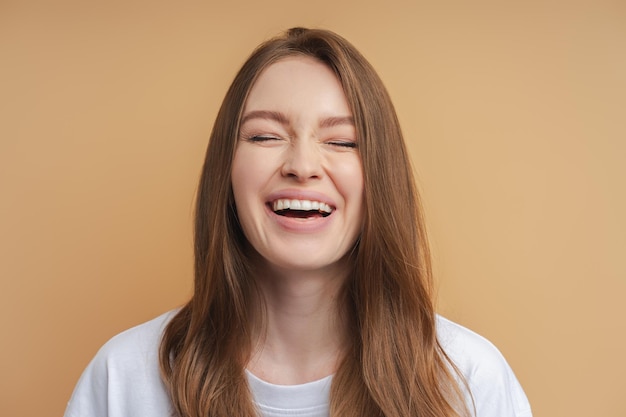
(123, 379)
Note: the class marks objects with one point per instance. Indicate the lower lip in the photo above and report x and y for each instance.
(300, 225)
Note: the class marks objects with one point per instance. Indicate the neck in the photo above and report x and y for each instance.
(303, 336)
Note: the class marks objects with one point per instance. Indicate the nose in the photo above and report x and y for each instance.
(302, 161)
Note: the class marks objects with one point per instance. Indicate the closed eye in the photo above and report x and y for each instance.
(342, 143)
(262, 138)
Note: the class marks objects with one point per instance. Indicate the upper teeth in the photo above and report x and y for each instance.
(285, 204)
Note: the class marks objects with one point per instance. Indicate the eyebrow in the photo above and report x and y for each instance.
(338, 120)
(265, 114)
(282, 119)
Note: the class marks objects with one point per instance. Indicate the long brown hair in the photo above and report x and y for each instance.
(395, 366)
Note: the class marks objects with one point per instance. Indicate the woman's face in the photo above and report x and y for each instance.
(297, 177)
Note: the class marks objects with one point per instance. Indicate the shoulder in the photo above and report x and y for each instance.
(124, 376)
(140, 340)
(494, 388)
(470, 351)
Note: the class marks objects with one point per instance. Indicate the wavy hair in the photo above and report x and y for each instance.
(394, 366)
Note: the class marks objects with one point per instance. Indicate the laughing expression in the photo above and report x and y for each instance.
(297, 176)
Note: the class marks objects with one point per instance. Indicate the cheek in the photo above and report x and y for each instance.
(249, 175)
(244, 170)
(241, 176)
(356, 184)
(350, 175)
(243, 190)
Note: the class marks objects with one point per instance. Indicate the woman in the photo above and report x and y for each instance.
(313, 292)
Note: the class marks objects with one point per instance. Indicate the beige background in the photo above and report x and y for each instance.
(515, 116)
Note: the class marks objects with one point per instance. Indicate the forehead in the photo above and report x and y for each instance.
(297, 79)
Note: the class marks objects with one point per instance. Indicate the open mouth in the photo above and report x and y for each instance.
(302, 209)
